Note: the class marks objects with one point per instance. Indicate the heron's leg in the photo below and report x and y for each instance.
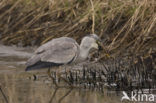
(58, 73)
(53, 79)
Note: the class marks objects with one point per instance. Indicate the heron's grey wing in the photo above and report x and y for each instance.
(53, 42)
(44, 52)
(61, 52)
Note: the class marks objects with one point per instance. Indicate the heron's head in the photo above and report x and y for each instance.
(90, 42)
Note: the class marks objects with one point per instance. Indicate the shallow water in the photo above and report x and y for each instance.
(20, 87)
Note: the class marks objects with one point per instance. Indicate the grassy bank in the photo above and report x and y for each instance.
(124, 25)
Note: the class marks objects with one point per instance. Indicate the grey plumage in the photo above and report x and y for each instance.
(61, 51)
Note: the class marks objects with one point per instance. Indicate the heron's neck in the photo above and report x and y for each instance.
(83, 53)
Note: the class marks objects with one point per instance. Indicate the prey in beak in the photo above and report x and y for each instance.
(100, 45)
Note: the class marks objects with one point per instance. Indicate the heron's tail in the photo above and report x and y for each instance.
(37, 65)
(34, 63)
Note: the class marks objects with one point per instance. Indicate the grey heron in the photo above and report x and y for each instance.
(62, 51)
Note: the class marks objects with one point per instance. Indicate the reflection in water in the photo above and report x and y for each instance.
(60, 100)
(3, 94)
(53, 96)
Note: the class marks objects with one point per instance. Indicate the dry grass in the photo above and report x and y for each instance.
(124, 26)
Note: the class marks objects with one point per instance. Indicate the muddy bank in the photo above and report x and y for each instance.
(116, 74)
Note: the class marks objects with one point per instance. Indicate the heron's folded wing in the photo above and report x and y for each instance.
(53, 42)
(61, 52)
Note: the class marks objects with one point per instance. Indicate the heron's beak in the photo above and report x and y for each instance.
(100, 45)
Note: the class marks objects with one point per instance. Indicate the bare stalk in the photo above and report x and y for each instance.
(93, 17)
